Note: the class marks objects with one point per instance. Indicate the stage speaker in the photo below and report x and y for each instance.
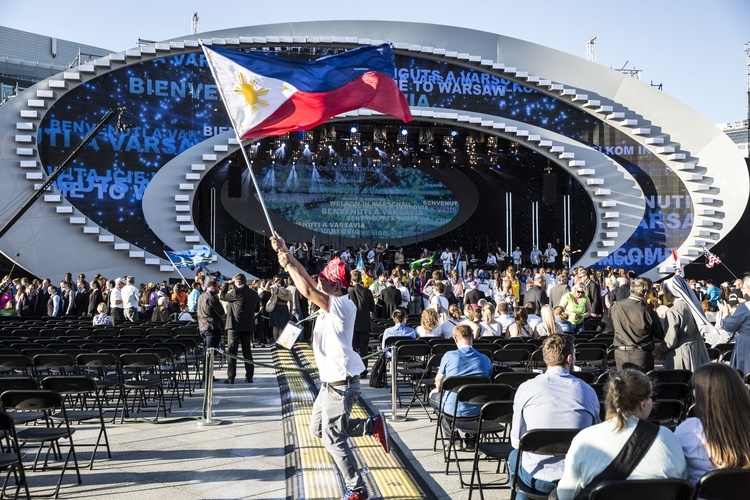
(549, 189)
(234, 179)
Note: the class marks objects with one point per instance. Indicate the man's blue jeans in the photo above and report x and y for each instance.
(526, 478)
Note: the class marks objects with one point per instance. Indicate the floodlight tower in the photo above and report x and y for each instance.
(591, 49)
(195, 24)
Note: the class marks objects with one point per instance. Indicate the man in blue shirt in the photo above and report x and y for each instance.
(398, 330)
(554, 400)
(463, 362)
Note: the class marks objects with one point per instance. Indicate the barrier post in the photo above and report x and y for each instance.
(208, 395)
(395, 417)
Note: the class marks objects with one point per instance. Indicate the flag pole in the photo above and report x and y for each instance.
(239, 141)
(176, 269)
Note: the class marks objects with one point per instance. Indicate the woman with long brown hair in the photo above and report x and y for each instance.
(718, 437)
(521, 327)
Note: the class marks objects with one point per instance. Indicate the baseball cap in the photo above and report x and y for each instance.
(734, 297)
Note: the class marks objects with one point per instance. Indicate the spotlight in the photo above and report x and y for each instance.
(404, 131)
(353, 130)
(454, 133)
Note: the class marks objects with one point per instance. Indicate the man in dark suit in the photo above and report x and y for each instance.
(593, 292)
(474, 295)
(363, 299)
(243, 304)
(637, 328)
(558, 291)
(81, 299)
(391, 298)
(535, 294)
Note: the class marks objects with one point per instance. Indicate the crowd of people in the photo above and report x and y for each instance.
(672, 321)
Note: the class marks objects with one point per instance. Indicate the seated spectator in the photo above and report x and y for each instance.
(553, 400)
(490, 326)
(399, 329)
(520, 327)
(718, 437)
(184, 314)
(472, 317)
(429, 324)
(446, 328)
(103, 318)
(533, 318)
(548, 325)
(709, 310)
(628, 405)
(504, 316)
(160, 313)
(561, 318)
(464, 361)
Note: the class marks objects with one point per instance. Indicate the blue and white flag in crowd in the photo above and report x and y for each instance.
(191, 258)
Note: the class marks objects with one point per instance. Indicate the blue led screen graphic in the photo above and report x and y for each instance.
(174, 105)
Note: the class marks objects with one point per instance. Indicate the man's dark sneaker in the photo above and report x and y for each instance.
(354, 495)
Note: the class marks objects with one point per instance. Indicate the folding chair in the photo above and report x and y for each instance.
(15, 364)
(50, 403)
(591, 359)
(550, 442)
(723, 484)
(46, 365)
(425, 384)
(451, 384)
(588, 377)
(643, 489)
(102, 368)
(674, 390)
(21, 384)
(513, 379)
(410, 359)
(12, 458)
(474, 394)
(84, 406)
(135, 369)
(499, 413)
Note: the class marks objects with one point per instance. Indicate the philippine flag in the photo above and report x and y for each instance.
(270, 95)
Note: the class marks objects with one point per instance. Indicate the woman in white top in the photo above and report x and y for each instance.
(548, 326)
(430, 324)
(520, 327)
(490, 327)
(718, 437)
(594, 448)
(473, 317)
(446, 328)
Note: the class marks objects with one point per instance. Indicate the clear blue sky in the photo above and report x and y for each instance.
(694, 48)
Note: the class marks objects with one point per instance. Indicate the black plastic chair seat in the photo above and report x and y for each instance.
(43, 434)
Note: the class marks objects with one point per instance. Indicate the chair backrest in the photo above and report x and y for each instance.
(72, 384)
(723, 484)
(589, 354)
(454, 383)
(588, 377)
(500, 412)
(443, 348)
(513, 379)
(503, 356)
(479, 394)
(674, 390)
(683, 376)
(661, 489)
(18, 384)
(34, 400)
(413, 349)
(96, 360)
(667, 412)
(521, 345)
(552, 442)
(139, 360)
(45, 361)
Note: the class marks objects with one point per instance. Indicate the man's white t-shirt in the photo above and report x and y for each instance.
(332, 341)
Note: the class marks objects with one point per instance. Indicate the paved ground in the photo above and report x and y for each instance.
(242, 457)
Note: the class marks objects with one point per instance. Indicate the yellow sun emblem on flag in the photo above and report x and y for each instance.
(251, 91)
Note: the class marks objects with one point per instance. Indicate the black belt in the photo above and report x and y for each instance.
(348, 381)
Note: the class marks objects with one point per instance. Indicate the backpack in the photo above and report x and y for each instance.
(378, 373)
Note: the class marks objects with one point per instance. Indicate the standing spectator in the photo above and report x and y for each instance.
(683, 343)
(95, 298)
(116, 306)
(81, 299)
(713, 292)
(391, 298)
(558, 291)
(414, 285)
(242, 305)
(210, 315)
(637, 328)
(739, 321)
(130, 298)
(192, 298)
(536, 294)
(628, 405)
(593, 292)
(447, 259)
(363, 299)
